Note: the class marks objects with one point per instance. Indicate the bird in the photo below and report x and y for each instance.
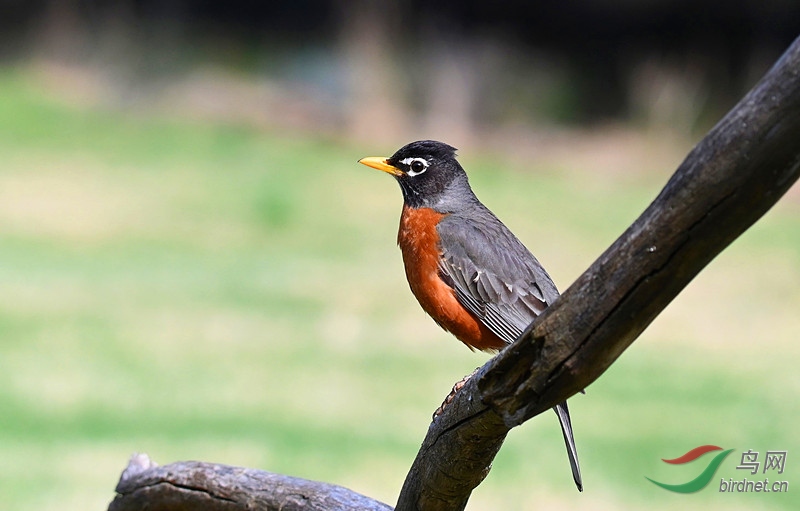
(464, 266)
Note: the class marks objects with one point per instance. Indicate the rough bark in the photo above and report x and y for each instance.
(191, 485)
(728, 181)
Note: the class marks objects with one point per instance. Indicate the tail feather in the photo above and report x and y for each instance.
(566, 428)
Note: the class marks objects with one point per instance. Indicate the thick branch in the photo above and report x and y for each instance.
(731, 178)
(190, 485)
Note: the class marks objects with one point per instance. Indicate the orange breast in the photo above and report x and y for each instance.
(419, 243)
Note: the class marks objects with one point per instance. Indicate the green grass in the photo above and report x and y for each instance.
(202, 291)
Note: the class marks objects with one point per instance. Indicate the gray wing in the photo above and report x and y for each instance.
(499, 281)
(495, 277)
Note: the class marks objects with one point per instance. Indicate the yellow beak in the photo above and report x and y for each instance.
(378, 162)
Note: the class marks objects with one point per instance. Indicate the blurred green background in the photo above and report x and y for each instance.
(193, 265)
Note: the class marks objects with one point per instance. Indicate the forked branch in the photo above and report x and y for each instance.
(728, 181)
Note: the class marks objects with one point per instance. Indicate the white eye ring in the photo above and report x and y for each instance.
(411, 164)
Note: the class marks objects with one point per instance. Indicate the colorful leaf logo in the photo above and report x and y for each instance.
(699, 482)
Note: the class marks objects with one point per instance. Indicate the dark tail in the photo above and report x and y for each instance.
(566, 427)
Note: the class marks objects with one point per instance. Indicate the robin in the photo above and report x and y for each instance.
(466, 269)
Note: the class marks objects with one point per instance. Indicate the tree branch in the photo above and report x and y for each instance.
(730, 179)
(189, 485)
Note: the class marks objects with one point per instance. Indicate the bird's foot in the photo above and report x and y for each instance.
(452, 395)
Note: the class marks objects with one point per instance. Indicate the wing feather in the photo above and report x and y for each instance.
(494, 276)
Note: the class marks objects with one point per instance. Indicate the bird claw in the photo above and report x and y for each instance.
(452, 395)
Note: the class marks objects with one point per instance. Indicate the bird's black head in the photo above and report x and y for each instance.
(429, 175)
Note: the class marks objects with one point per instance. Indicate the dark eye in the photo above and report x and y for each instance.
(416, 166)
